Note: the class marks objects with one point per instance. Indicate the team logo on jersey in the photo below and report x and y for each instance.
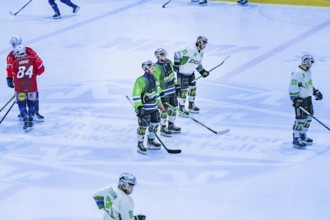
(21, 96)
(194, 61)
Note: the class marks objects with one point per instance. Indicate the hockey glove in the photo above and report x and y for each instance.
(297, 102)
(140, 217)
(10, 82)
(318, 95)
(140, 112)
(177, 90)
(204, 73)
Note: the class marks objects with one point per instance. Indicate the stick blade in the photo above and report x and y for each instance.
(223, 132)
(173, 151)
(11, 13)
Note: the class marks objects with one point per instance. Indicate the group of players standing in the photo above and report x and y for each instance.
(162, 88)
(165, 86)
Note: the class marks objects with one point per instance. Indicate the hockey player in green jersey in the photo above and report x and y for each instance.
(301, 90)
(147, 101)
(166, 77)
(185, 63)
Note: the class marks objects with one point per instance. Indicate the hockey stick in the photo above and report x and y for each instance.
(14, 14)
(314, 118)
(170, 151)
(188, 116)
(7, 103)
(3, 118)
(213, 68)
(166, 3)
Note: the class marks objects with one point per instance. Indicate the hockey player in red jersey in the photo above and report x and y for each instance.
(24, 78)
(15, 41)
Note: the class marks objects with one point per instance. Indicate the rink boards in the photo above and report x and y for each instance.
(322, 3)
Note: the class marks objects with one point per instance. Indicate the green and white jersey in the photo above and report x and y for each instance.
(117, 205)
(301, 84)
(189, 60)
(166, 76)
(146, 93)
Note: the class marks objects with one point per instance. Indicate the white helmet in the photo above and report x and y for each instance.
(307, 60)
(15, 41)
(19, 51)
(147, 64)
(126, 179)
(159, 53)
(201, 40)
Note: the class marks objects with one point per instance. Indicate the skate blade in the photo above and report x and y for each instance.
(142, 152)
(153, 148)
(28, 129)
(299, 147)
(176, 132)
(166, 135)
(193, 112)
(38, 120)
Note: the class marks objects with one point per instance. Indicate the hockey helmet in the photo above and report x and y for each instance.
(307, 60)
(19, 51)
(146, 65)
(201, 40)
(159, 53)
(126, 179)
(15, 41)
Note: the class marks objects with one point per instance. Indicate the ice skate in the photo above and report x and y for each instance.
(173, 129)
(57, 16)
(184, 110)
(37, 117)
(306, 140)
(153, 145)
(193, 108)
(28, 124)
(243, 2)
(298, 143)
(76, 9)
(203, 3)
(164, 131)
(141, 149)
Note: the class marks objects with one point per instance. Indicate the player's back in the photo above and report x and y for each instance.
(25, 74)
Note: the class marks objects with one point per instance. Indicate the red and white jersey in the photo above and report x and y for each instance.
(24, 71)
(11, 58)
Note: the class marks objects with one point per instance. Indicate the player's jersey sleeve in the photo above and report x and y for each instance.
(10, 61)
(139, 86)
(40, 68)
(181, 57)
(173, 72)
(294, 85)
(99, 198)
(31, 52)
(158, 72)
(158, 90)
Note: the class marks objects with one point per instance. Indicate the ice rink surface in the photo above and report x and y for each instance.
(89, 135)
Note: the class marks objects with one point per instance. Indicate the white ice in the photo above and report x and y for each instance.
(89, 135)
